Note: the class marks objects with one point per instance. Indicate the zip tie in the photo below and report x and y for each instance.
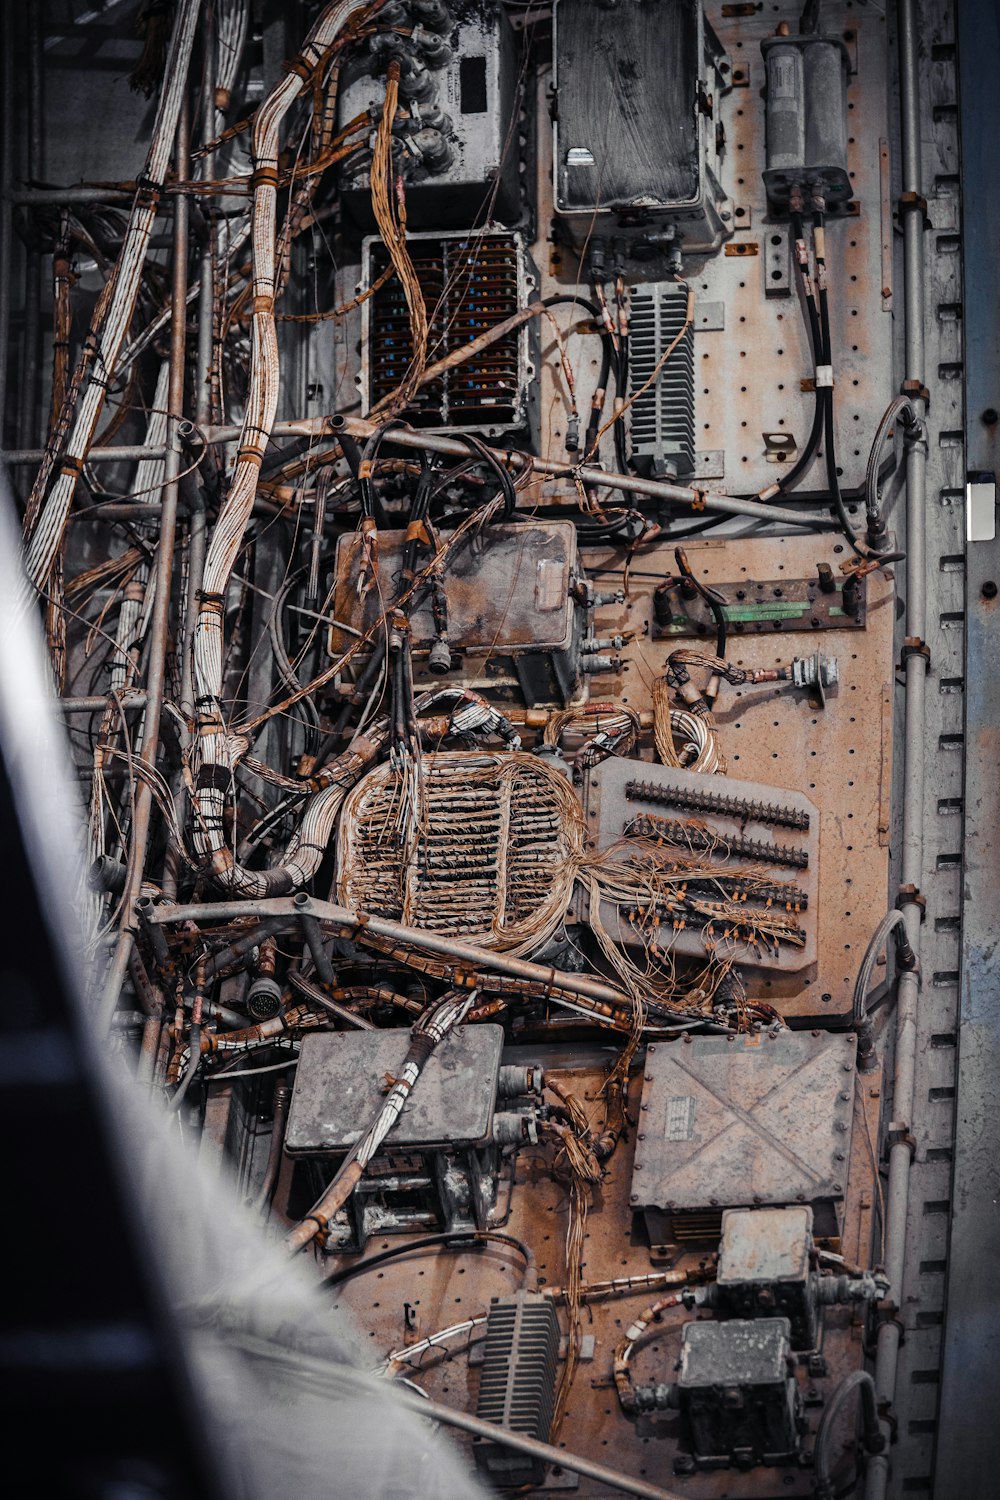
(824, 376)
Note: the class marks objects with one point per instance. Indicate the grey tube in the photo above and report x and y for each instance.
(159, 625)
(656, 489)
(898, 1190)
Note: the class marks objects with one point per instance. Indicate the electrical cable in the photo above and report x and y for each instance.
(460, 1241)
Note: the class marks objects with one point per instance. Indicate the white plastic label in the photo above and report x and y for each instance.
(981, 510)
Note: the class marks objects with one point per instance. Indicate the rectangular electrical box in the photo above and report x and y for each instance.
(340, 1084)
(636, 147)
(744, 1121)
(469, 285)
(806, 120)
(514, 627)
(737, 1394)
(458, 149)
(764, 1267)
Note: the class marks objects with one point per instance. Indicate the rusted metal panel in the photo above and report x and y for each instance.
(776, 736)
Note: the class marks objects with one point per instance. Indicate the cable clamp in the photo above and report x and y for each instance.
(824, 376)
(914, 646)
(913, 203)
(898, 1135)
(916, 391)
(909, 895)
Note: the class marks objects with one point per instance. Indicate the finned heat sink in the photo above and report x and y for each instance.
(518, 1384)
(469, 283)
(662, 415)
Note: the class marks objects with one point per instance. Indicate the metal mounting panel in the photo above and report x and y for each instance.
(766, 827)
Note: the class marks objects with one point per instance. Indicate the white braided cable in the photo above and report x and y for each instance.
(45, 535)
(212, 746)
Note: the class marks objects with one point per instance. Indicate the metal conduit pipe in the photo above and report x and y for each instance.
(159, 624)
(900, 1130)
(355, 924)
(357, 427)
(115, 453)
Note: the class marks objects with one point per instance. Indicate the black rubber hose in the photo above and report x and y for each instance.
(475, 445)
(857, 1380)
(711, 599)
(463, 1240)
(805, 458)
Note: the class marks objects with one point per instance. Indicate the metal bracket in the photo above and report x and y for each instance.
(900, 1136)
(914, 646)
(909, 895)
(908, 203)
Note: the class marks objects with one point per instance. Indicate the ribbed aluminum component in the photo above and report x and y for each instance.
(663, 416)
(517, 1388)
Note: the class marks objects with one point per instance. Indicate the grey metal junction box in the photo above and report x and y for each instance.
(742, 1122)
(438, 1167)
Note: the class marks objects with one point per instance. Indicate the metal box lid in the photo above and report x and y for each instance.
(512, 597)
(739, 1351)
(765, 1245)
(745, 1121)
(341, 1082)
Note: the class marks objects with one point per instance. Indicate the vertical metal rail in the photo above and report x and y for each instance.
(970, 1376)
(911, 872)
(143, 808)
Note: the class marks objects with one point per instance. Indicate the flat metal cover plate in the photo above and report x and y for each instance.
(737, 1352)
(756, 1120)
(764, 1244)
(342, 1078)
